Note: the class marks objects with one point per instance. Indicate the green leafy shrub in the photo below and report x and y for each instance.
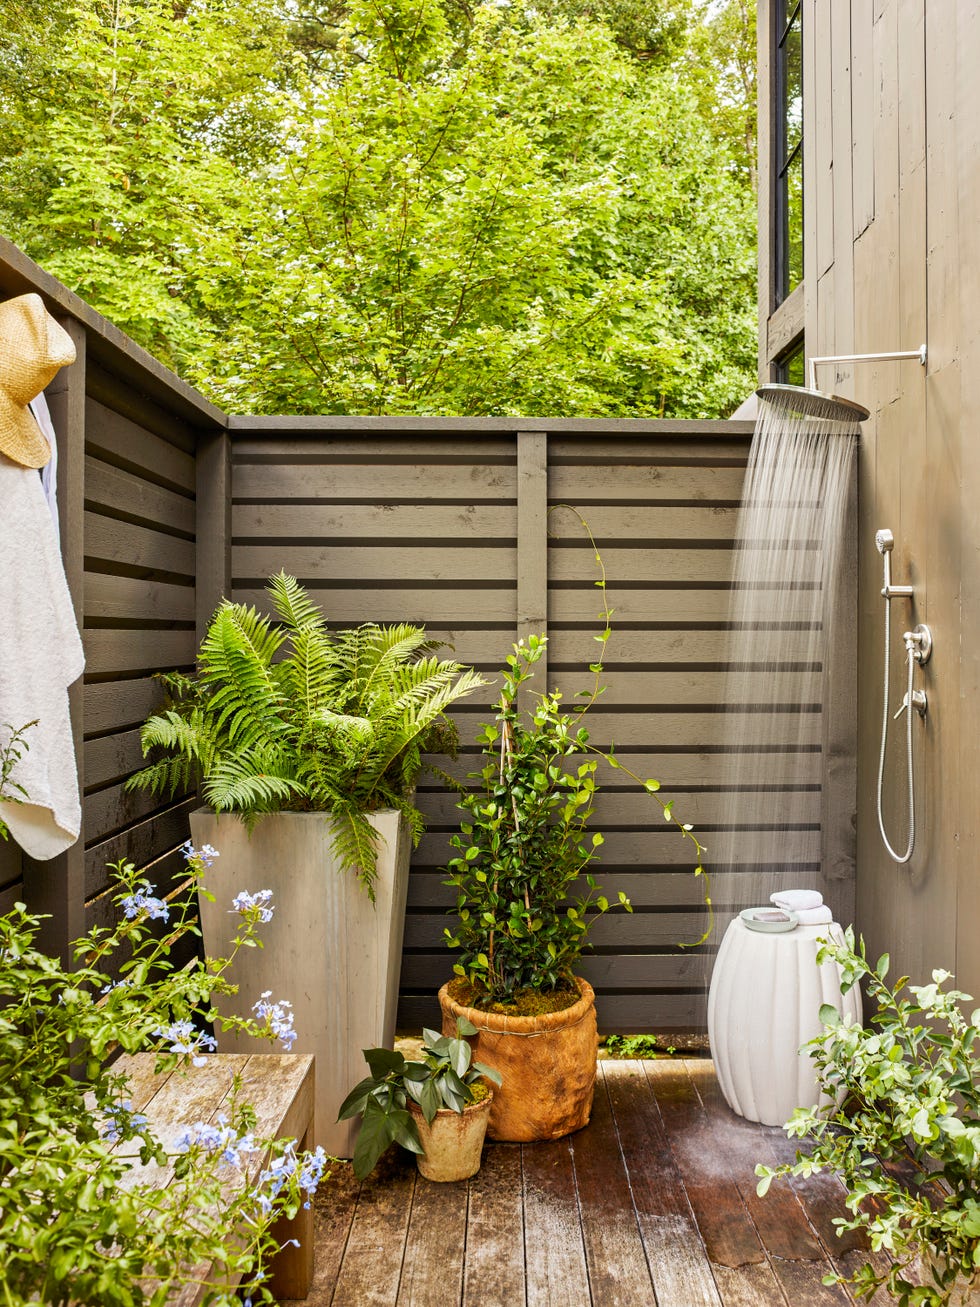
(72, 1229)
(525, 899)
(523, 846)
(640, 1046)
(14, 748)
(447, 1076)
(297, 717)
(909, 1089)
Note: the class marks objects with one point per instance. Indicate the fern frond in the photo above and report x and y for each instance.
(237, 784)
(292, 603)
(355, 844)
(236, 661)
(169, 776)
(370, 655)
(312, 673)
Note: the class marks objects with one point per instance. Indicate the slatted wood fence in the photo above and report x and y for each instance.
(167, 504)
(464, 526)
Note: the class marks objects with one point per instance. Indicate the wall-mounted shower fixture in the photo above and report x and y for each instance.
(893, 356)
(803, 401)
(918, 650)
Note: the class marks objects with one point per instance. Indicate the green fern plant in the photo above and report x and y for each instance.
(288, 715)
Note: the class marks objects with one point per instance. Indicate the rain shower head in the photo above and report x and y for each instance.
(800, 401)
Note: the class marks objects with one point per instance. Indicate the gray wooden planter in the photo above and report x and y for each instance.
(329, 950)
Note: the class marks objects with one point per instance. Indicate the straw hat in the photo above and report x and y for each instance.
(32, 349)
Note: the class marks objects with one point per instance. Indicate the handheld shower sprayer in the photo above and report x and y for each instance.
(885, 543)
(918, 648)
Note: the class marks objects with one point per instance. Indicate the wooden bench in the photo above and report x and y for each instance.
(280, 1089)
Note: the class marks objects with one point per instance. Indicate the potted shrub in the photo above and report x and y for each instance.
(436, 1108)
(905, 1139)
(525, 902)
(307, 744)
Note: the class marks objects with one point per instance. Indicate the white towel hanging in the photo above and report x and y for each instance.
(40, 656)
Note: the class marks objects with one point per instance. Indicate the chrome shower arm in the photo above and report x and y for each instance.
(894, 355)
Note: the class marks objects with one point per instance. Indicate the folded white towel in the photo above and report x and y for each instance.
(797, 900)
(815, 916)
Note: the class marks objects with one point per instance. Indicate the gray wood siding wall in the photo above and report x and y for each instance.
(448, 524)
(892, 166)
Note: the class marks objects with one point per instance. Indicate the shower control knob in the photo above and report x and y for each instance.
(919, 643)
(919, 702)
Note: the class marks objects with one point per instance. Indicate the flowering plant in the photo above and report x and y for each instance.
(71, 1227)
(902, 1129)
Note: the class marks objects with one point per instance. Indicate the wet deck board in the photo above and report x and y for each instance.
(653, 1204)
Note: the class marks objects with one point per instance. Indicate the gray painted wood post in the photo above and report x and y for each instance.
(213, 526)
(532, 548)
(57, 887)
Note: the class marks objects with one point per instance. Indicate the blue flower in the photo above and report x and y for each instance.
(277, 1017)
(218, 1138)
(204, 857)
(259, 904)
(143, 901)
(184, 1038)
(120, 1117)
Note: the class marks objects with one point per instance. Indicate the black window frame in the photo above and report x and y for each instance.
(786, 15)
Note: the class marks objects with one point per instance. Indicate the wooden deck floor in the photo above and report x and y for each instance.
(652, 1205)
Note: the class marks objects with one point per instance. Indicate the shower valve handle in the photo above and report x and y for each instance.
(919, 702)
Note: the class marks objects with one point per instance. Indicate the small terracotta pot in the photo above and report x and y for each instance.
(453, 1141)
(547, 1066)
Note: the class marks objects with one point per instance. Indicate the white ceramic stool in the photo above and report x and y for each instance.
(763, 1004)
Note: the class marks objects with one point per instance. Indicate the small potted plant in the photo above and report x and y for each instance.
(902, 1130)
(306, 745)
(436, 1108)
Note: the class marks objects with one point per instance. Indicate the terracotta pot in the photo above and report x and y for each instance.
(547, 1066)
(453, 1141)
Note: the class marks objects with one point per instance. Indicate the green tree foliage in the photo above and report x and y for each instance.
(392, 206)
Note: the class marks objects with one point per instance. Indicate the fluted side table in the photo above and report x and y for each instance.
(763, 1004)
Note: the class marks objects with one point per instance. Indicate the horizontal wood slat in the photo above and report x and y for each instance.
(142, 843)
(375, 481)
(120, 705)
(111, 652)
(108, 487)
(432, 562)
(677, 770)
(119, 440)
(108, 540)
(614, 809)
(658, 846)
(127, 599)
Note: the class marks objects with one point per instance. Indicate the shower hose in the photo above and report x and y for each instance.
(898, 857)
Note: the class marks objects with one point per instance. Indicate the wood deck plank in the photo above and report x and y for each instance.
(554, 1247)
(432, 1272)
(618, 1272)
(675, 1253)
(493, 1275)
(779, 1219)
(752, 1285)
(653, 1203)
(697, 1142)
(370, 1271)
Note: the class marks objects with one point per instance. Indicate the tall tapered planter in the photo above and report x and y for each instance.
(329, 950)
